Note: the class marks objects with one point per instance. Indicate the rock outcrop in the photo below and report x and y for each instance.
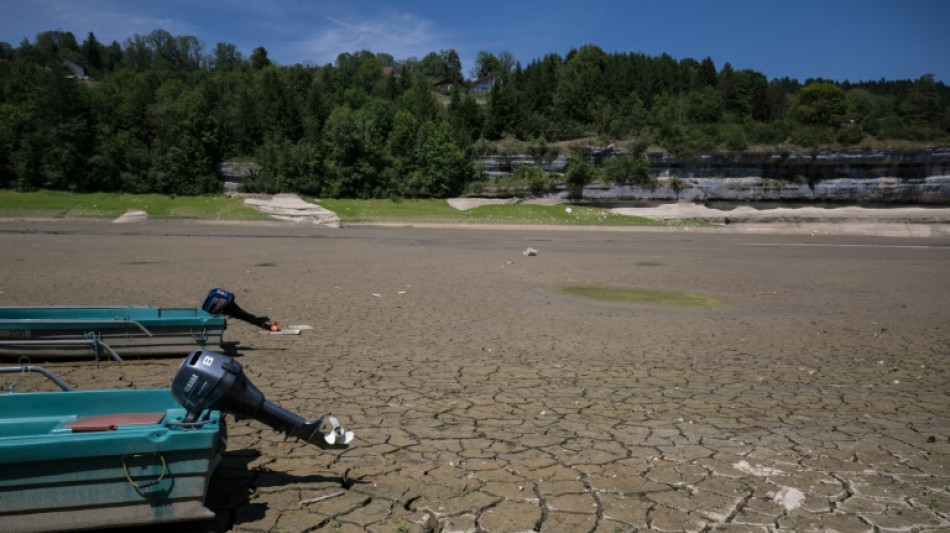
(292, 208)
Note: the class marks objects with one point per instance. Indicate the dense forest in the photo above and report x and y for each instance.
(159, 112)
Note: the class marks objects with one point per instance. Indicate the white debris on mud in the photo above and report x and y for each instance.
(789, 498)
(757, 470)
(131, 216)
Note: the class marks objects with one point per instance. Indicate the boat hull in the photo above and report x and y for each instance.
(59, 474)
(74, 332)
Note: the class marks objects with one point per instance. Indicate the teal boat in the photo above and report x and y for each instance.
(103, 459)
(100, 459)
(69, 332)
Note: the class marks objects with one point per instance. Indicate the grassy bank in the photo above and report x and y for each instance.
(62, 204)
(440, 212)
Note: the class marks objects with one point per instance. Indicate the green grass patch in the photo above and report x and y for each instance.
(440, 212)
(63, 204)
(604, 293)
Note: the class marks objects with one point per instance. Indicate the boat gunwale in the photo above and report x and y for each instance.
(139, 316)
(64, 407)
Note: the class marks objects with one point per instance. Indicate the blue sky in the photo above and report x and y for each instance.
(836, 39)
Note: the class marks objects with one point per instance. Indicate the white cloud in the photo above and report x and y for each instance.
(108, 19)
(401, 35)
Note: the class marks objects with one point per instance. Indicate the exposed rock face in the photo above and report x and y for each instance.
(237, 171)
(931, 190)
(233, 173)
(131, 217)
(809, 166)
(292, 208)
(871, 176)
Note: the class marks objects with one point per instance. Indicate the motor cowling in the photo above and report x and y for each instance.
(209, 380)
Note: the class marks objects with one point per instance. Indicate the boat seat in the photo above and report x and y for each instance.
(112, 421)
(30, 426)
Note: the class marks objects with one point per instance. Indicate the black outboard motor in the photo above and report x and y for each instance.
(221, 302)
(209, 380)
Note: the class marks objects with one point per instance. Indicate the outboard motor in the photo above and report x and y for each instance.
(209, 380)
(221, 302)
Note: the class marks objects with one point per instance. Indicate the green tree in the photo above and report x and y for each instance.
(92, 53)
(703, 106)
(923, 105)
(50, 46)
(707, 75)
(287, 166)
(402, 138)
(120, 162)
(578, 174)
(276, 103)
(442, 65)
(821, 104)
(355, 155)
(184, 143)
(259, 60)
(226, 57)
(487, 63)
(419, 100)
(502, 109)
(440, 167)
(20, 131)
(581, 84)
(534, 177)
(632, 168)
(112, 56)
(466, 117)
(453, 64)
(734, 137)
(541, 152)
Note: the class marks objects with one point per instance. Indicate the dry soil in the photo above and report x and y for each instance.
(482, 400)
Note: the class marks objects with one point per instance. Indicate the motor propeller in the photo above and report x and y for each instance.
(209, 380)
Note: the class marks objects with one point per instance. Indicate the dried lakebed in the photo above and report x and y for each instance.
(482, 400)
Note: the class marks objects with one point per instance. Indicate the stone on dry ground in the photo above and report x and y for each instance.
(483, 401)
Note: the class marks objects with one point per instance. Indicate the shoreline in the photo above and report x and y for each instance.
(911, 228)
(290, 210)
(863, 229)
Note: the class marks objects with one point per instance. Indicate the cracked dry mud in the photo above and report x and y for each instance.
(484, 401)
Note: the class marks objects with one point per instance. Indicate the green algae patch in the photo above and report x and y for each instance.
(624, 295)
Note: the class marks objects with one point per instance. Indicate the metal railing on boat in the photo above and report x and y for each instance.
(93, 341)
(48, 321)
(26, 369)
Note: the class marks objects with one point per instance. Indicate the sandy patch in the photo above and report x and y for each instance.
(131, 216)
(748, 213)
(463, 204)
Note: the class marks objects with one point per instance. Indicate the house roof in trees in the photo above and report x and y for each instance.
(76, 69)
(445, 84)
(483, 84)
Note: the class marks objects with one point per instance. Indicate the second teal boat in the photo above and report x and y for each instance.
(69, 332)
